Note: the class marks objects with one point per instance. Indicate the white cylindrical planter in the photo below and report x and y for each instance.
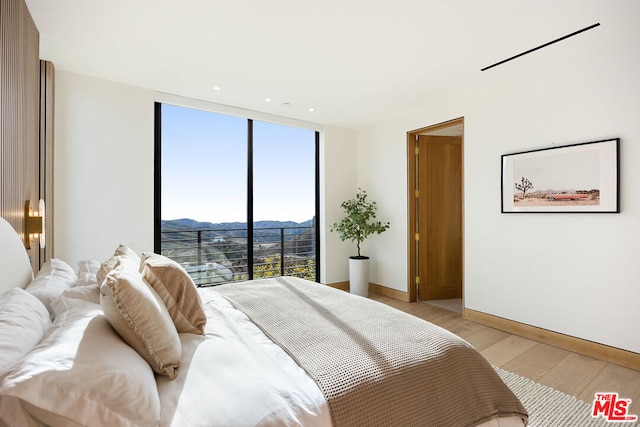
(359, 275)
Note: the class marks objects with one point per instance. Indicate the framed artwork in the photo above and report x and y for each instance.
(566, 179)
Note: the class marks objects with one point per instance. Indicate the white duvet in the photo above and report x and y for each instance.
(235, 376)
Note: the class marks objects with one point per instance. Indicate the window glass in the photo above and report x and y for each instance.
(206, 199)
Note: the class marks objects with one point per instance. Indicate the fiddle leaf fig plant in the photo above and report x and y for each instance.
(359, 221)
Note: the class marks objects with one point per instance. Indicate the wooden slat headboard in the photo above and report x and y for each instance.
(25, 106)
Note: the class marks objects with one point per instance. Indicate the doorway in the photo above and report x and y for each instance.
(435, 190)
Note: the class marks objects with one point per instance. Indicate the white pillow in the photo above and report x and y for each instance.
(89, 293)
(81, 374)
(87, 272)
(23, 323)
(140, 317)
(55, 277)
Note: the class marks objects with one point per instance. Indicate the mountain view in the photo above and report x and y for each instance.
(218, 253)
(263, 230)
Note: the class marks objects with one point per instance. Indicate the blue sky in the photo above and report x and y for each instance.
(204, 168)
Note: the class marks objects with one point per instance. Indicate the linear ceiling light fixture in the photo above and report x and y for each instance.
(541, 46)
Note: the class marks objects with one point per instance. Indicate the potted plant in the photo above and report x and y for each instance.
(358, 224)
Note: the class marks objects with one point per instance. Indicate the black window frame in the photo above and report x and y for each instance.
(157, 193)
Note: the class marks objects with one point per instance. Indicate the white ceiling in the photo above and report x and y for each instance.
(354, 61)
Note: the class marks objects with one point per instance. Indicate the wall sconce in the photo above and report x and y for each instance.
(33, 224)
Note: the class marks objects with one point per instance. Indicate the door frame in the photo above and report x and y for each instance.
(412, 183)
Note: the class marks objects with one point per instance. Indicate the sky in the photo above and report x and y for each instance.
(547, 170)
(204, 168)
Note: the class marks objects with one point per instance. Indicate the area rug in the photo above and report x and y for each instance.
(548, 407)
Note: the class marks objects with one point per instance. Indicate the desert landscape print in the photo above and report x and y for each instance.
(568, 179)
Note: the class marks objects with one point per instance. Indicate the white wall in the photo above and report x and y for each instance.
(382, 173)
(103, 167)
(577, 274)
(338, 163)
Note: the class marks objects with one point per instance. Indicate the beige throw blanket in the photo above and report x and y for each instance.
(376, 366)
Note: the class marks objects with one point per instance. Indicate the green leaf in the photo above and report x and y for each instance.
(358, 222)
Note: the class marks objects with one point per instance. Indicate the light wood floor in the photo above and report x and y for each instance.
(571, 373)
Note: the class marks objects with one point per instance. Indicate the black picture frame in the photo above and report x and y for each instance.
(575, 178)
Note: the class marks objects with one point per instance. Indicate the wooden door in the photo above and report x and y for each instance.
(439, 225)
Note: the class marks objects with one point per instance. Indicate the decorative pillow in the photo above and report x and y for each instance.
(138, 314)
(23, 323)
(122, 254)
(55, 277)
(87, 272)
(177, 290)
(81, 374)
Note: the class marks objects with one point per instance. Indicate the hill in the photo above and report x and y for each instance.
(264, 231)
(192, 225)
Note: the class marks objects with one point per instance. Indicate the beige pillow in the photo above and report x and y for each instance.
(138, 314)
(176, 288)
(122, 254)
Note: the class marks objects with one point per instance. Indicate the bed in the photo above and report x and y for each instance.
(130, 341)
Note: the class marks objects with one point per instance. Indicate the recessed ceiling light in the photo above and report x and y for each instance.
(216, 88)
(267, 100)
(312, 109)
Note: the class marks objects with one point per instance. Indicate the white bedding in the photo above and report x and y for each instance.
(232, 376)
(235, 376)
(82, 373)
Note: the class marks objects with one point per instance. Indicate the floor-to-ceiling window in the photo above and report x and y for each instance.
(236, 198)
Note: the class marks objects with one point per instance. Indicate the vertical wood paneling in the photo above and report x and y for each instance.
(19, 114)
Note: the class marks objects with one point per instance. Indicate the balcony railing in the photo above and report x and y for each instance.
(217, 256)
